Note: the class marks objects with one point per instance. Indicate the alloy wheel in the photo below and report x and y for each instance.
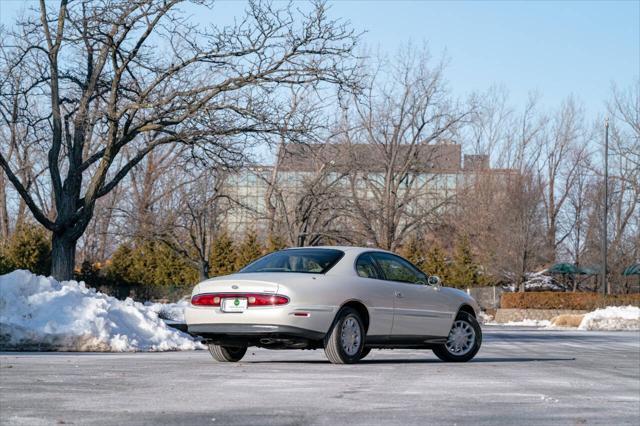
(461, 338)
(350, 336)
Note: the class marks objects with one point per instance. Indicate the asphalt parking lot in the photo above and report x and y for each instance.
(521, 376)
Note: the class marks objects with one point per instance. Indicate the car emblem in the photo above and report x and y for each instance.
(236, 302)
(235, 287)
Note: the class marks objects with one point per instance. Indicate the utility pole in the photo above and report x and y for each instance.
(606, 207)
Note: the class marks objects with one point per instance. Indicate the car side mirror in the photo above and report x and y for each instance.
(434, 280)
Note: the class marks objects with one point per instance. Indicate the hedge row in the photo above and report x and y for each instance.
(555, 300)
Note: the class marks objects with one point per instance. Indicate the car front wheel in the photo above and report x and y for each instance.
(345, 342)
(227, 353)
(463, 342)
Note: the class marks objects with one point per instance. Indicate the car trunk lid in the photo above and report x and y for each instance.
(235, 284)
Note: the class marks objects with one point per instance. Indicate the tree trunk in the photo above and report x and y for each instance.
(22, 207)
(551, 242)
(204, 270)
(4, 211)
(63, 256)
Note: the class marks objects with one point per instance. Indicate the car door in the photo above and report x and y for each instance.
(378, 294)
(419, 309)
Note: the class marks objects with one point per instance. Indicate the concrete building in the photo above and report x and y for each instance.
(432, 173)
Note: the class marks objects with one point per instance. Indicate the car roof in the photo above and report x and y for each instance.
(350, 249)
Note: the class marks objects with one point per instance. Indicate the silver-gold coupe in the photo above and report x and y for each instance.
(347, 300)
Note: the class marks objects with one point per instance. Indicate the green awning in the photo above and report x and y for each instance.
(632, 270)
(563, 268)
(571, 269)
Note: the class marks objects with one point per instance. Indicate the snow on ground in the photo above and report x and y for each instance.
(612, 318)
(540, 281)
(523, 323)
(484, 317)
(40, 313)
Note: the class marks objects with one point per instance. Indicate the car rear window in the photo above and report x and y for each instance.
(310, 261)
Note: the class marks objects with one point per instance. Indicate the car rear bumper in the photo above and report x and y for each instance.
(252, 331)
(269, 320)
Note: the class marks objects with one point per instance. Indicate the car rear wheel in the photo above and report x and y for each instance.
(345, 342)
(463, 342)
(227, 353)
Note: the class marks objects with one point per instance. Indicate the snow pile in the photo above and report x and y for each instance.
(169, 311)
(536, 281)
(539, 281)
(612, 318)
(39, 313)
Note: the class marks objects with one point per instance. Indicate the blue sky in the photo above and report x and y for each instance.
(556, 48)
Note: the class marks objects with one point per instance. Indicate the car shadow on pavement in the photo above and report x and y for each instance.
(435, 361)
(561, 335)
(414, 361)
(520, 359)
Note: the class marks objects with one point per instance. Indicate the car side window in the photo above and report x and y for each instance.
(366, 268)
(395, 268)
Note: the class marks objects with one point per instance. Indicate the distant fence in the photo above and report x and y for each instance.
(490, 298)
(487, 297)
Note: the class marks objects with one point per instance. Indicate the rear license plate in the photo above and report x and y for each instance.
(235, 304)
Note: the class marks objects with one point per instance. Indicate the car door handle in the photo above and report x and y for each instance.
(398, 294)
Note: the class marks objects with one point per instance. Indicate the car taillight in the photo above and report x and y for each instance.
(266, 300)
(253, 299)
(205, 300)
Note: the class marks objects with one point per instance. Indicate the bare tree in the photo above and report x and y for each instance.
(502, 211)
(313, 212)
(394, 138)
(580, 206)
(307, 209)
(565, 146)
(486, 133)
(101, 237)
(127, 77)
(152, 185)
(303, 123)
(177, 199)
(193, 218)
(502, 214)
(20, 131)
(624, 196)
(624, 162)
(524, 193)
(4, 210)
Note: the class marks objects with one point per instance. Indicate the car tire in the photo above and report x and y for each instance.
(464, 324)
(365, 352)
(344, 343)
(227, 353)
